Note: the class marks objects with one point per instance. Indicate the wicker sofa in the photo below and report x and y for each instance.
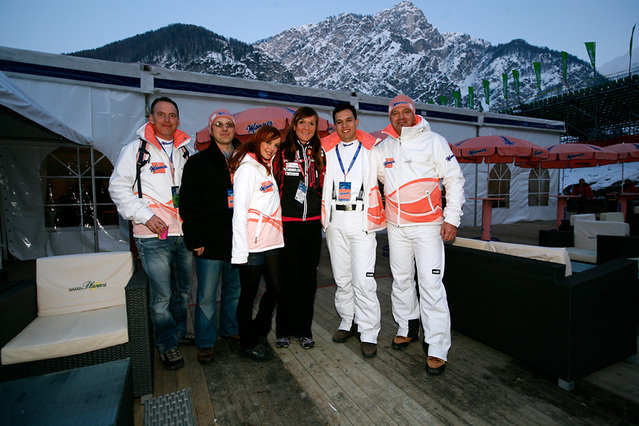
(18, 308)
(568, 326)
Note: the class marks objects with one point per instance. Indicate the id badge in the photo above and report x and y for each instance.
(229, 197)
(175, 193)
(344, 191)
(300, 196)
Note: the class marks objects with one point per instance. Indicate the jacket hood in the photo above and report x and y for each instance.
(147, 133)
(420, 122)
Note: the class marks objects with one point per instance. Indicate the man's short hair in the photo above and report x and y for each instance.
(344, 106)
(164, 99)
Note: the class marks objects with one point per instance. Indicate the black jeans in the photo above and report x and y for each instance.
(259, 265)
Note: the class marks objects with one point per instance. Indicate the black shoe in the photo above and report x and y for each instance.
(306, 342)
(258, 353)
(187, 340)
(369, 350)
(172, 359)
(283, 342)
(435, 366)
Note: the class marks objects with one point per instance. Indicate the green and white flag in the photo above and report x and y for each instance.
(505, 78)
(516, 79)
(487, 91)
(537, 68)
(457, 98)
(591, 47)
(442, 100)
(564, 66)
(471, 97)
(631, 37)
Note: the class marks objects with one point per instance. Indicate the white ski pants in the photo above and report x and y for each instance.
(352, 254)
(420, 245)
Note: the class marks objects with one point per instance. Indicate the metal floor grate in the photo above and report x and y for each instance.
(172, 409)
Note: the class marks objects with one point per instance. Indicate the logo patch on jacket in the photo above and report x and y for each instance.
(266, 186)
(389, 163)
(157, 168)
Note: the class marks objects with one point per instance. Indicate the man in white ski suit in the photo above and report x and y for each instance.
(351, 213)
(413, 162)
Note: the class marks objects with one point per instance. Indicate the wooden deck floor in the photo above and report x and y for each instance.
(333, 384)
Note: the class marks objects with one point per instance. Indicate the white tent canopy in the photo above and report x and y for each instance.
(29, 120)
(107, 101)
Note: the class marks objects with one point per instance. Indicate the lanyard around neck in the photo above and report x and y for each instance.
(339, 158)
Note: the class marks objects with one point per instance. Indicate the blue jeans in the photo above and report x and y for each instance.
(169, 266)
(208, 273)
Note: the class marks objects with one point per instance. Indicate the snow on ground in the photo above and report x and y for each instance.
(601, 177)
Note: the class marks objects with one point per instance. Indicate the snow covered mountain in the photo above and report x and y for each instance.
(399, 51)
(394, 51)
(192, 48)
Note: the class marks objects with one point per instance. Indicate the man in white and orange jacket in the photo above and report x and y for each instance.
(157, 227)
(351, 213)
(413, 162)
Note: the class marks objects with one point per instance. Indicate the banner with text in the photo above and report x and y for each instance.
(505, 79)
(487, 91)
(537, 68)
(590, 47)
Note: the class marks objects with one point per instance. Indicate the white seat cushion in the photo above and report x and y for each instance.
(547, 254)
(470, 243)
(611, 216)
(69, 334)
(586, 232)
(584, 216)
(82, 282)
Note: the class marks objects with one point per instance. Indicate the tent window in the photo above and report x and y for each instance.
(499, 185)
(538, 187)
(67, 192)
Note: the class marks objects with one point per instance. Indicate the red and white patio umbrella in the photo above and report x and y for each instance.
(248, 121)
(628, 153)
(496, 149)
(571, 156)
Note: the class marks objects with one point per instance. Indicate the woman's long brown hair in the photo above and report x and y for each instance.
(265, 133)
(288, 147)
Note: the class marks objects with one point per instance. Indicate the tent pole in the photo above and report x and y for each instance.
(476, 177)
(95, 203)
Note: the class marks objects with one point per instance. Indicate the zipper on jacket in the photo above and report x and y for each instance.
(306, 167)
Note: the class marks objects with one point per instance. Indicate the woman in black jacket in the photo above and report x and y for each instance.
(300, 180)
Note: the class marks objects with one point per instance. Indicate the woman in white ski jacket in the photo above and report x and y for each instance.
(257, 232)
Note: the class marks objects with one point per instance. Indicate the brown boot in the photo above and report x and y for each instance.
(369, 350)
(401, 342)
(435, 366)
(205, 355)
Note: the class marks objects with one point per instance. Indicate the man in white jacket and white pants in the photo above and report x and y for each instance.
(351, 213)
(413, 163)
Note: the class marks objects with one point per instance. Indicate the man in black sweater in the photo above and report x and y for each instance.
(206, 207)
